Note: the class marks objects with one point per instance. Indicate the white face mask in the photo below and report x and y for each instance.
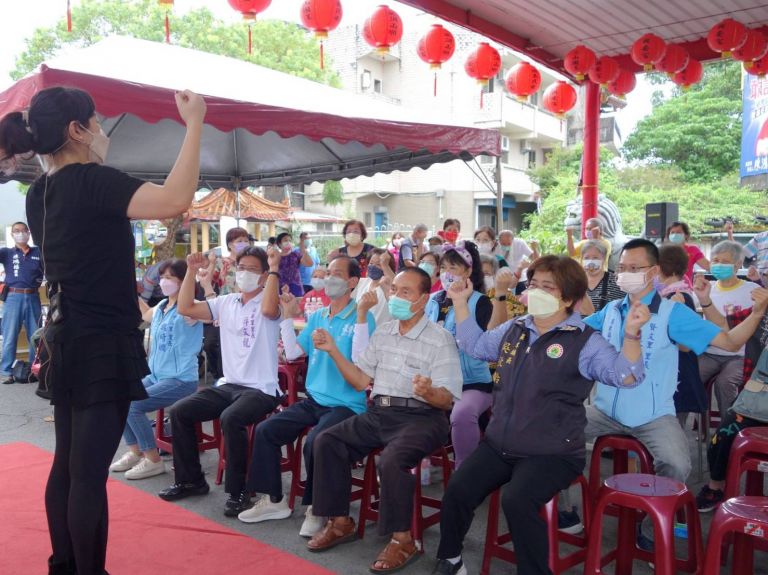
(247, 281)
(99, 147)
(592, 265)
(542, 304)
(631, 283)
(353, 238)
(485, 247)
(317, 283)
(21, 237)
(168, 286)
(489, 282)
(335, 287)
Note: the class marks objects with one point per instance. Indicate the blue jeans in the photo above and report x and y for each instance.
(20, 309)
(164, 393)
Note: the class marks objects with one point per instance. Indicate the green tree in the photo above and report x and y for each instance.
(333, 193)
(278, 45)
(697, 130)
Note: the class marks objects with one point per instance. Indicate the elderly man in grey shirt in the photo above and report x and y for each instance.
(414, 366)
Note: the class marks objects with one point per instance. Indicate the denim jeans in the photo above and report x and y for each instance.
(163, 393)
(19, 309)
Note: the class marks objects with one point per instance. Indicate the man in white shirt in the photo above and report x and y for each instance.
(728, 295)
(248, 392)
(513, 249)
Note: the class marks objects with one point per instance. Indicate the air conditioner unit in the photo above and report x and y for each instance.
(504, 144)
(526, 146)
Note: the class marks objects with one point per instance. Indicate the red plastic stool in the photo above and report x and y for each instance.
(494, 542)
(746, 520)
(621, 446)
(205, 441)
(369, 500)
(749, 454)
(285, 461)
(661, 498)
(291, 377)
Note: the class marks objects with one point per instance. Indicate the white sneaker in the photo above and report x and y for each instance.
(312, 523)
(145, 468)
(264, 510)
(128, 460)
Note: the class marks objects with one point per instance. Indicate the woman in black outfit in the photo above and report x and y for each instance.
(97, 359)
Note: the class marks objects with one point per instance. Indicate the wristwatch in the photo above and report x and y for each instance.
(501, 298)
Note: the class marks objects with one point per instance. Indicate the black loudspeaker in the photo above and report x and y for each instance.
(658, 217)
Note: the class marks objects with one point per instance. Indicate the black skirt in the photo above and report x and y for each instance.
(96, 368)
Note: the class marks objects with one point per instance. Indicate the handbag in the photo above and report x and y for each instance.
(21, 371)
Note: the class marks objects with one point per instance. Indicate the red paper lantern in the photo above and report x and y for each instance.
(559, 98)
(675, 59)
(168, 4)
(647, 50)
(691, 75)
(624, 83)
(726, 36)
(604, 70)
(383, 29)
(523, 80)
(758, 68)
(436, 47)
(754, 48)
(249, 9)
(483, 63)
(321, 16)
(69, 16)
(578, 61)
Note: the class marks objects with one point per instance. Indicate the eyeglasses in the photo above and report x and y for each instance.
(632, 269)
(248, 269)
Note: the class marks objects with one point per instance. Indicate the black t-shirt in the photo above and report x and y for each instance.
(87, 246)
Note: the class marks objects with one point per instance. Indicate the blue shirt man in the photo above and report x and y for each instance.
(23, 276)
(330, 398)
(647, 411)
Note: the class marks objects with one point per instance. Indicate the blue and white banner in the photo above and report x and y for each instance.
(754, 131)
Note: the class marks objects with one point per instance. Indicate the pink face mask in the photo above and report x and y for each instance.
(169, 287)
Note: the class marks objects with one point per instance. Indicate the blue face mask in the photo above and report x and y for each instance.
(400, 308)
(721, 271)
(375, 272)
(677, 238)
(307, 243)
(427, 267)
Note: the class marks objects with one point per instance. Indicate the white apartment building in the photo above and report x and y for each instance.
(456, 189)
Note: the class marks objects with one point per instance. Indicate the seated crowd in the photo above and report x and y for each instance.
(434, 342)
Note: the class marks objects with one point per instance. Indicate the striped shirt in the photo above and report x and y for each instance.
(392, 359)
(603, 293)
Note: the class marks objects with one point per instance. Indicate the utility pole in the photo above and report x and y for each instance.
(499, 196)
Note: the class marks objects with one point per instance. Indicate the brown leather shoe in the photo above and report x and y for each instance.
(338, 530)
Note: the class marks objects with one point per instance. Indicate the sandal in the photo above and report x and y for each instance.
(396, 555)
(336, 531)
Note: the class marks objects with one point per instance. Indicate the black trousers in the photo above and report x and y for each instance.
(531, 483)
(76, 493)
(719, 449)
(212, 348)
(282, 428)
(407, 436)
(237, 407)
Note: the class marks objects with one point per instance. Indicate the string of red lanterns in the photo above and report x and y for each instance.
(250, 9)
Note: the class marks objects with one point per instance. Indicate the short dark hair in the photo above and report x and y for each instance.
(45, 130)
(451, 222)
(353, 266)
(235, 233)
(570, 277)
(673, 260)
(650, 249)
(686, 229)
(20, 224)
(363, 231)
(381, 252)
(303, 235)
(177, 266)
(425, 282)
(281, 236)
(255, 252)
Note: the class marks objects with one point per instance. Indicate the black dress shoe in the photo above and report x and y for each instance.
(181, 490)
(8, 380)
(237, 504)
(61, 567)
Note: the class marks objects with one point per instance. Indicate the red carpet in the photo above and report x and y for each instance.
(147, 536)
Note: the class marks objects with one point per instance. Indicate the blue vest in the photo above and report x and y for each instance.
(473, 370)
(654, 397)
(174, 345)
